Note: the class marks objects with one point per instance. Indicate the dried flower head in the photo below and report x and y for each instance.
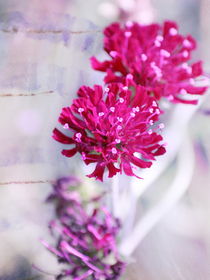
(85, 236)
(114, 128)
(156, 56)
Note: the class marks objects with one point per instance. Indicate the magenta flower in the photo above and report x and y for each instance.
(156, 56)
(114, 128)
(85, 235)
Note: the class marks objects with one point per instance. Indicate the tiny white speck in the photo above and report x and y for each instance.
(132, 114)
(159, 38)
(129, 23)
(121, 100)
(183, 91)
(106, 89)
(66, 126)
(78, 135)
(173, 31)
(185, 54)
(125, 88)
(150, 131)
(161, 125)
(129, 76)
(114, 151)
(112, 109)
(80, 110)
(165, 53)
(157, 43)
(128, 34)
(187, 43)
(143, 57)
(154, 103)
(157, 111)
(151, 122)
(117, 141)
(119, 119)
(151, 110)
(101, 114)
(119, 127)
(113, 54)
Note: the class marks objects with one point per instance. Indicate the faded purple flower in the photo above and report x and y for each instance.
(85, 236)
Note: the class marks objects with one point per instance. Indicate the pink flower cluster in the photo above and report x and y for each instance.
(113, 128)
(117, 126)
(156, 56)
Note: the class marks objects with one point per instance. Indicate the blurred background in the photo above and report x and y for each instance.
(45, 48)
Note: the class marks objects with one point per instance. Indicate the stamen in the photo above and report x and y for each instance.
(151, 110)
(101, 114)
(165, 53)
(157, 111)
(173, 31)
(183, 91)
(113, 54)
(114, 151)
(161, 125)
(151, 122)
(112, 109)
(119, 119)
(154, 103)
(187, 43)
(117, 141)
(66, 126)
(143, 57)
(132, 114)
(106, 89)
(128, 34)
(129, 77)
(159, 38)
(125, 88)
(157, 43)
(121, 100)
(80, 110)
(119, 127)
(150, 131)
(185, 54)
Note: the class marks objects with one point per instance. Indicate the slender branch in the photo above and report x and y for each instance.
(42, 31)
(26, 182)
(181, 182)
(25, 94)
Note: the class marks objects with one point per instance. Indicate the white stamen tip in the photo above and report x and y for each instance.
(112, 109)
(165, 53)
(113, 54)
(157, 111)
(159, 38)
(157, 43)
(119, 127)
(132, 114)
(121, 100)
(161, 125)
(187, 43)
(117, 141)
(119, 119)
(125, 88)
(129, 23)
(80, 110)
(151, 122)
(129, 77)
(143, 57)
(106, 89)
(66, 126)
(78, 135)
(150, 131)
(114, 151)
(128, 34)
(151, 110)
(154, 103)
(183, 91)
(173, 31)
(185, 54)
(101, 114)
